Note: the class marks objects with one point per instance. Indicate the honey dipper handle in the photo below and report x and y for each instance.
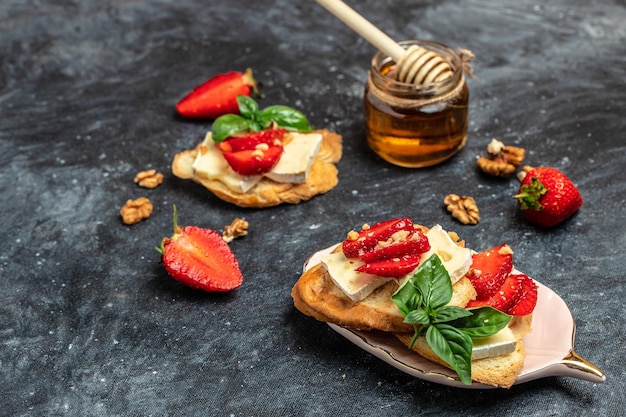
(364, 28)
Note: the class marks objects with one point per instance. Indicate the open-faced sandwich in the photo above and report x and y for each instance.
(465, 310)
(263, 158)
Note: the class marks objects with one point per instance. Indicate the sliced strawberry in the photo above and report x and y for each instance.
(504, 298)
(272, 137)
(528, 300)
(254, 162)
(391, 268)
(253, 154)
(367, 239)
(201, 259)
(489, 270)
(416, 243)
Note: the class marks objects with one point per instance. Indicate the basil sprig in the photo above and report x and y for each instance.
(255, 120)
(422, 300)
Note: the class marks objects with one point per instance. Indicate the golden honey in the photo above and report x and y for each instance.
(416, 125)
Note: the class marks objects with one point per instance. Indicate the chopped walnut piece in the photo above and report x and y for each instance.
(148, 179)
(525, 170)
(237, 228)
(464, 209)
(135, 211)
(502, 160)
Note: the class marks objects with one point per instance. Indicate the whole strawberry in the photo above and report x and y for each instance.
(200, 258)
(547, 197)
(217, 96)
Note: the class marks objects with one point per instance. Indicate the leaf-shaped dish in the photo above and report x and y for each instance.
(549, 347)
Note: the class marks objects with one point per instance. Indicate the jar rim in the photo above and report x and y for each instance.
(381, 61)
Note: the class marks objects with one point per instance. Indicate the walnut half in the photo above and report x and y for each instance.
(148, 179)
(502, 160)
(135, 211)
(239, 227)
(464, 208)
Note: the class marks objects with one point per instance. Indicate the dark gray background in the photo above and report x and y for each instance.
(90, 324)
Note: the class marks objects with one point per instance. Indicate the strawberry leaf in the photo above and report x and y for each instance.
(530, 194)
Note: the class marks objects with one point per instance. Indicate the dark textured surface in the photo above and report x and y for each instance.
(90, 324)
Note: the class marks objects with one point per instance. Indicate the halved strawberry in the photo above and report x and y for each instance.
(489, 270)
(528, 300)
(200, 258)
(365, 240)
(416, 243)
(217, 96)
(391, 268)
(254, 154)
(504, 298)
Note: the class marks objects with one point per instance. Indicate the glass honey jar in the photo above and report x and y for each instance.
(416, 125)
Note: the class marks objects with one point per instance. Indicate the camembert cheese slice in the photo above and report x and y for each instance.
(356, 285)
(297, 158)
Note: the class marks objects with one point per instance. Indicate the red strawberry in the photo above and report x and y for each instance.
(489, 270)
(199, 258)
(416, 243)
(504, 298)
(241, 143)
(368, 238)
(528, 299)
(217, 96)
(547, 197)
(391, 268)
(254, 154)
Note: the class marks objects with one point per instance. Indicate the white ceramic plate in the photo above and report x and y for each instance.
(549, 347)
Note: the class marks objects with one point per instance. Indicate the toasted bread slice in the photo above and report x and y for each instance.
(315, 294)
(321, 179)
(499, 371)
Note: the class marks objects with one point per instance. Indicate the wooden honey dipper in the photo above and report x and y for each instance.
(415, 65)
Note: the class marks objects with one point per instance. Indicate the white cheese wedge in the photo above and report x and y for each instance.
(297, 158)
(211, 164)
(501, 343)
(356, 285)
(455, 259)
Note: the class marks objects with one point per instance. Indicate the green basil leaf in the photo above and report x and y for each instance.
(483, 322)
(407, 298)
(433, 282)
(285, 117)
(248, 108)
(419, 316)
(228, 124)
(454, 347)
(449, 313)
